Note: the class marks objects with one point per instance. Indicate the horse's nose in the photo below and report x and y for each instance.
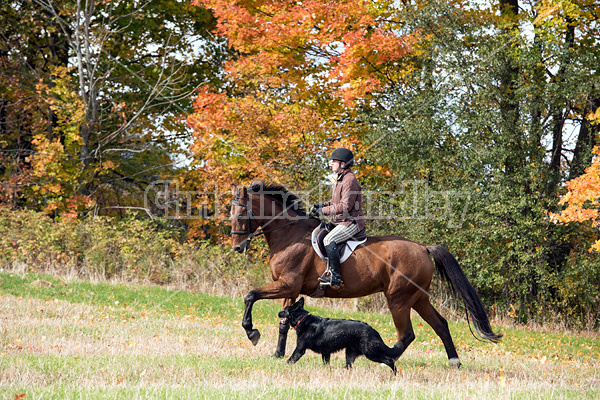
(242, 247)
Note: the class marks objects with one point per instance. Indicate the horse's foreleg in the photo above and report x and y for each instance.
(276, 290)
(253, 334)
(284, 327)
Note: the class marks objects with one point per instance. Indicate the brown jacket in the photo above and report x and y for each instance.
(346, 201)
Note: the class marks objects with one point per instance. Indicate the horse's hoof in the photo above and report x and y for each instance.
(254, 336)
(454, 362)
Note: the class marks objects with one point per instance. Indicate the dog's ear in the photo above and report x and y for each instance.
(301, 302)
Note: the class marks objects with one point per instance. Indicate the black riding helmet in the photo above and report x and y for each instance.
(342, 154)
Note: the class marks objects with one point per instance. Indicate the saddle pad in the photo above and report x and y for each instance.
(345, 253)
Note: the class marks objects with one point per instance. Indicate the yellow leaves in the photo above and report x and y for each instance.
(109, 165)
(594, 116)
(65, 103)
(55, 167)
(48, 157)
(583, 198)
(546, 11)
(502, 379)
(554, 17)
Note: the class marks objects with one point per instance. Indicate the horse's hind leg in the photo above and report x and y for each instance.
(401, 315)
(440, 326)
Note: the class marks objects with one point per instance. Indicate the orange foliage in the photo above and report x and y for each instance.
(292, 90)
(350, 41)
(583, 198)
(294, 85)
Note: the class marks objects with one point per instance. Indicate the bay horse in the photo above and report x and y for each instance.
(400, 268)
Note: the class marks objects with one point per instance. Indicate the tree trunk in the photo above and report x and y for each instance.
(559, 112)
(509, 104)
(588, 132)
(59, 55)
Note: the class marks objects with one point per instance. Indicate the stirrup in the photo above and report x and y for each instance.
(327, 280)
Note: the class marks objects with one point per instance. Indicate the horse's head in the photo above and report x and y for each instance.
(241, 219)
(261, 205)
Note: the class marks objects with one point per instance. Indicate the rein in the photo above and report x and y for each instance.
(259, 231)
(262, 232)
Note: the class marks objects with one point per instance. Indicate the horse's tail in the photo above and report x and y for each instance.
(450, 271)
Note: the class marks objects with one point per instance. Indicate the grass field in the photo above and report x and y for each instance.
(78, 339)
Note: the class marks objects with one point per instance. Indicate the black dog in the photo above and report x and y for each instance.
(326, 336)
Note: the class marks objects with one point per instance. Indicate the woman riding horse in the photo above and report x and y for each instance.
(400, 268)
(346, 208)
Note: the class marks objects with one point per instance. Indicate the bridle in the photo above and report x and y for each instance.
(250, 216)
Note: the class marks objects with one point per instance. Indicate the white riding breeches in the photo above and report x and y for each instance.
(340, 234)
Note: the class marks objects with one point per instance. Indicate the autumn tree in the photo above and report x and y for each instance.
(583, 199)
(105, 85)
(29, 47)
(300, 71)
(294, 87)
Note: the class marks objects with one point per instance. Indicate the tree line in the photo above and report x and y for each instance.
(485, 112)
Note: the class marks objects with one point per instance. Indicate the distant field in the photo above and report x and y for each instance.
(77, 339)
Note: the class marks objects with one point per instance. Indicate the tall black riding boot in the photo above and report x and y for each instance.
(334, 279)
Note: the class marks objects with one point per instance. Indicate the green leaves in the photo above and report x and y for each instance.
(483, 113)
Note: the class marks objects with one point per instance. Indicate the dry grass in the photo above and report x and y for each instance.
(60, 349)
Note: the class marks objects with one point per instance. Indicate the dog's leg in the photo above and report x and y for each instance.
(297, 354)
(326, 357)
(351, 355)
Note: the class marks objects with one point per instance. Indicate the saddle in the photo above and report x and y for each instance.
(346, 249)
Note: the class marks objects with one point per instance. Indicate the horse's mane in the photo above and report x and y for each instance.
(279, 193)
